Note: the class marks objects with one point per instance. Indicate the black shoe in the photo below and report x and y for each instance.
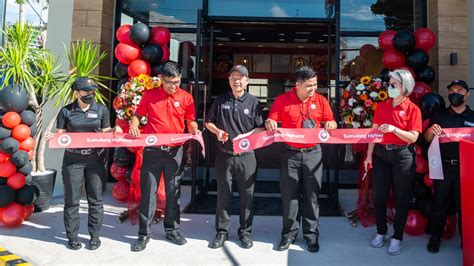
(176, 238)
(433, 245)
(74, 244)
(94, 244)
(285, 243)
(141, 243)
(313, 245)
(219, 240)
(246, 241)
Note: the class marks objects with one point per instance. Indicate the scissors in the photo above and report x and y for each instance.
(369, 166)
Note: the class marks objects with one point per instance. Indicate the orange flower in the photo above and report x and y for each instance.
(129, 112)
(373, 106)
(365, 80)
(363, 97)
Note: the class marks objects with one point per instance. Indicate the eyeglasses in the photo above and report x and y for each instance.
(171, 83)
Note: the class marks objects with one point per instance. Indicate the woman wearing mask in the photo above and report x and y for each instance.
(393, 160)
(79, 165)
(448, 190)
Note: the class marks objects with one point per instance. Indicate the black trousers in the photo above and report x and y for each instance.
(300, 184)
(76, 169)
(155, 162)
(242, 169)
(397, 168)
(446, 192)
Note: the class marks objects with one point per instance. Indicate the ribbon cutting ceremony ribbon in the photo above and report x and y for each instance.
(110, 140)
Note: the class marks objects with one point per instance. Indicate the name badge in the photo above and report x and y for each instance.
(92, 115)
(225, 106)
(469, 124)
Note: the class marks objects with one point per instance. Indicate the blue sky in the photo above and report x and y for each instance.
(12, 11)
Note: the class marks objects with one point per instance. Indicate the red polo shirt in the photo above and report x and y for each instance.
(406, 116)
(166, 113)
(291, 111)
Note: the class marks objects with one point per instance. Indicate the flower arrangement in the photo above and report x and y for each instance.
(126, 102)
(359, 101)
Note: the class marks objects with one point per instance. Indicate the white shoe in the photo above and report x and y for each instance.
(378, 240)
(395, 247)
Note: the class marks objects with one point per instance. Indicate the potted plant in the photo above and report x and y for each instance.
(35, 71)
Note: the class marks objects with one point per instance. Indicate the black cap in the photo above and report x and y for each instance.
(84, 84)
(241, 69)
(461, 83)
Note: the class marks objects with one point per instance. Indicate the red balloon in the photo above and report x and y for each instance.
(16, 181)
(125, 53)
(425, 125)
(425, 39)
(416, 223)
(123, 35)
(118, 172)
(393, 59)
(419, 90)
(166, 54)
(138, 67)
(12, 215)
(11, 119)
(366, 49)
(120, 190)
(386, 39)
(428, 181)
(450, 227)
(29, 209)
(4, 157)
(421, 165)
(160, 36)
(28, 144)
(21, 132)
(7, 169)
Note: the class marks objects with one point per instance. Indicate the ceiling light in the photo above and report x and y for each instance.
(242, 39)
(301, 40)
(303, 32)
(281, 40)
(325, 35)
(300, 46)
(321, 40)
(220, 44)
(260, 45)
(281, 34)
(238, 33)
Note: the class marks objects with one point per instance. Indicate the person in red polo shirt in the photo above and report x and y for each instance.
(393, 159)
(301, 164)
(166, 108)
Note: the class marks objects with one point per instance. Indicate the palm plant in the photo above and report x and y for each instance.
(37, 71)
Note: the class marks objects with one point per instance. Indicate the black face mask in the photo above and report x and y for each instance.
(456, 99)
(87, 99)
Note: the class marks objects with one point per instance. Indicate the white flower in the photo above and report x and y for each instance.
(378, 80)
(360, 87)
(355, 124)
(351, 102)
(120, 114)
(359, 93)
(373, 95)
(136, 100)
(348, 88)
(367, 123)
(357, 110)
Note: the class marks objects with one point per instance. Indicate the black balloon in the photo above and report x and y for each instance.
(426, 75)
(3, 181)
(121, 70)
(7, 195)
(384, 74)
(404, 41)
(152, 53)
(25, 195)
(13, 98)
(156, 70)
(123, 157)
(33, 130)
(431, 103)
(5, 132)
(120, 83)
(28, 117)
(20, 158)
(26, 169)
(140, 33)
(9, 145)
(417, 59)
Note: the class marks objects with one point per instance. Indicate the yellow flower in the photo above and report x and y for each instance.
(365, 80)
(348, 119)
(382, 95)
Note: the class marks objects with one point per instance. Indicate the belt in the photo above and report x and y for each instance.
(236, 154)
(85, 151)
(163, 148)
(390, 147)
(291, 148)
(451, 162)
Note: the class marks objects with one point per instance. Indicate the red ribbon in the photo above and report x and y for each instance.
(110, 140)
(467, 205)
